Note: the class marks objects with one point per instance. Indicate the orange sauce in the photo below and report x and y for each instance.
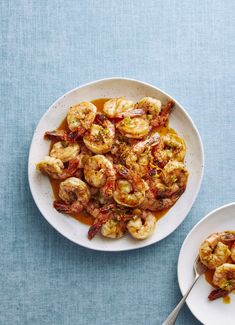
(55, 184)
(209, 278)
(226, 300)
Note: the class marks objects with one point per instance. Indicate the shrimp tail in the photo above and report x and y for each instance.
(109, 187)
(56, 135)
(162, 118)
(60, 135)
(122, 171)
(73, 166)
(104, 215)
(73, 136)
(68, 172)
(100, 119)
(217, 293)
(61, 206)
(132, 113)
(94, 229)
(228, 237)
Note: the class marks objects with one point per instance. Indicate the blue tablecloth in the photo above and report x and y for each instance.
(49, 47)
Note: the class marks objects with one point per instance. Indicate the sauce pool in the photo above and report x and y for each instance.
(83, 216)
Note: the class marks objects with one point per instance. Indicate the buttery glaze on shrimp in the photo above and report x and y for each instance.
(99, 172)
(111, 163)
(138, 157)
(149, 105)
(74, 194)
(81, 117)
(65, 151)
(142, 225)
(130, 191)
(115, 107)
(214, 250)
(217, 252)
(170, 147)
(54, 168)
(134, 127)
(101, 135)
(224, 276)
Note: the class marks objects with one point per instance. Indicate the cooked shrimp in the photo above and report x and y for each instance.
(135, 127)
(213, 252)
(74, 194)
(101, 135)
(160, 190)
(101, 215)
(131, 190)
(115, 107)
(162, 118)
(224, 276)
(149, 105)
(159, 204)
(54, 167)
(170, 147)
(141, 227)
(139, 155)
(99, 172)
(173, 173)
(64, 151)
(57, 135)
(113, 229)
(81, 116)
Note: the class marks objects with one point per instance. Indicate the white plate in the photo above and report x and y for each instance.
(208, 312)
(113, 87)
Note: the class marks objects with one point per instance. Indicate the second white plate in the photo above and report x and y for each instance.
(208, 312)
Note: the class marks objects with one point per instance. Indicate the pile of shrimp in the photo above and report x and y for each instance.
(115, 166)
(217, 253)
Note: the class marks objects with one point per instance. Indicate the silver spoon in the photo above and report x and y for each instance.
(199, 269)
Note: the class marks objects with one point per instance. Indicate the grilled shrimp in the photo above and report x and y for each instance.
(149, 105)
(134, 127)
(74, 194)
(115, 107)
(113, 229)
(101, 215)
(81, 116)
(130, 191)
(158, 204)
(138, 156)
(100, 137)
(99, 172)
(175, 172)
(224, 276)
(142, 226)
(170, 147)
(57, 135)
(213, 251)
(163, 116)
(64, 151)
(54, 167)
(171, 180)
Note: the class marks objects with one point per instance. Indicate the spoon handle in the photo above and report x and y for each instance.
(170, 320)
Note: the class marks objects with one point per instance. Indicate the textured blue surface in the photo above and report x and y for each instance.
(49, 47)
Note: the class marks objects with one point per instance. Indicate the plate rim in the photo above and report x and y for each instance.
(201, 147)
(208, 215)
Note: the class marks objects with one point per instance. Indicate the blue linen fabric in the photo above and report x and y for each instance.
(49, 47)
